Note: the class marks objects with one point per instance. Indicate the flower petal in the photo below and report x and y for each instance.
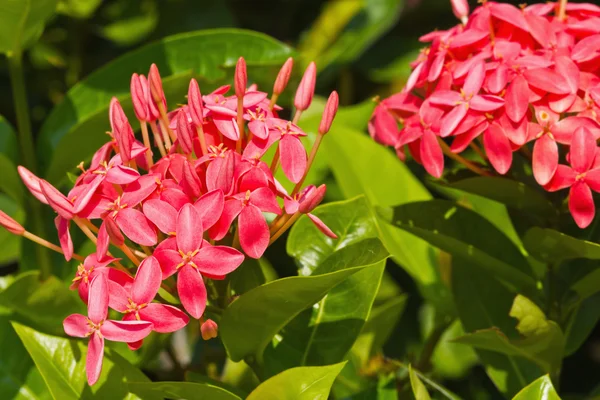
(136, 227)
(147, 281)
(583, 150)
(545, 159)
(64, 236)
(293, 157)
(486, 103)
(168, 260)
(265, 200)
(189, 229)
(564, 177)
(218, 260)
(161, 214)
(321, 226)
(253, 231)
(125, 331)
(98, 299)
(452, 119)
(192, 291)
(210, 207)
(76, 325)
(231, 210)
(498, 149)
(164, 318)
(517, 99)
(93, 361)
(431, 154)
(581, 204)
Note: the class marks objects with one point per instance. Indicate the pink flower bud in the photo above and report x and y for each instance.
(10, 224)
(283, 77)
(306, 88)
(116, 115)
(185, 136)
(57, 200)
(329, 113)
(460, 8)
(138, 97)
(311, 198)
(153, 112)
(155, 83)
(195, 105)
(209, 329)
(32, 183)
(241, 78)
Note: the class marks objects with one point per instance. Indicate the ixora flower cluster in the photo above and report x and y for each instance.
(191, 214)
(504, 78)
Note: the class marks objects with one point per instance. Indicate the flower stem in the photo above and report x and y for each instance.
(311, 159)
(17, 81)
(146, 139)
(562, 9)
(285, 227)
(462, 160)
(47, 244)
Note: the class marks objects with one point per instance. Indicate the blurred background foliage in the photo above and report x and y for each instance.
(362, 49)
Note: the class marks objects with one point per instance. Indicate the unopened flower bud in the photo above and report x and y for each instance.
(116, 115)
(241, 78)
(57, 200)
(312, 198)
(153, 112)
(32, 183)
(329, 113)
(155, 83)
(306, 88)
(283, 77)
(209, 329)
(138, 98)
(10, 224)
(460, 8)
(195, 105)
(185, 136)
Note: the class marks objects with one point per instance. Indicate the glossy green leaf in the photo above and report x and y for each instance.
(77, 126)
(462, 232)
(482, 303)
(180, 390)
(352, 220)
(19, 379)
(362, 166)
(262, 312)
(418, 388)
(512, 193)
(301, 383)
(45, 304)
(252, 273)
(22, 23)
(9, 159)
(540, 389)
(323, 334)
(552, 246)
(581, 323)
(61, 363)
(346, 29)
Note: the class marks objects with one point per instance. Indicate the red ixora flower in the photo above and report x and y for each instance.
(184, 205)
(97, 327)
(506, 82)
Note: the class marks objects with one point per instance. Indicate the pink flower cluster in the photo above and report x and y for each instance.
(191, 213)
(503, 79)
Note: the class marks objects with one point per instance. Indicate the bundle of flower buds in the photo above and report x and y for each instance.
(185, 204)
(506, 79)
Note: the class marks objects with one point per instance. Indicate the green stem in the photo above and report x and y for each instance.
(17, 81)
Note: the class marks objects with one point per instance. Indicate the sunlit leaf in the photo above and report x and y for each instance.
(180, 390)
(22, 23)
(540, 389)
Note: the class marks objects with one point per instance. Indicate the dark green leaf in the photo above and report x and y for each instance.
(301, 383)
(552, 246)
(418, 388)
(512, 193)
(540, 389)
(261, 312)
(483, 302)
(77, 126)
(448, 359)
(180, 390)
(581, 323)
(134, 23)
(78, 8)
(462, 232)
(45, 304)
(18, 378)
(9, 243)
(61, 363)
(250, 274)
(324, 334)
(362, 166)
(22, 23)
(352, 221)
(9, 158)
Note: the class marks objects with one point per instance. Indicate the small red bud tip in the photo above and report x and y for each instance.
(10, 224)
(306, 88)
(209, 329)
(138, 97)
(155, 83)
(460, 8)
(329, 113)
(283, 77)
(195, 103)
(241, 78)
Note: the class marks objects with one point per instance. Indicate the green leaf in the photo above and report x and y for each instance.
(61, 363)
(301, 383)
(9, 243)
(323, 334)
(180, 390)
(540, 389)
(514, 194)
(548, 245)
(135, 22)
(462, 232)
(45, 304)
(351, 219)
(262, 312)
(362, 166)
(418, 388)
(9, 158)
(581, 323)
(22, 23)
(75, 128)
(448, 359)
(252, 273)
(19, 379)
(78, 8)
(344, 30)
(482, 302)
